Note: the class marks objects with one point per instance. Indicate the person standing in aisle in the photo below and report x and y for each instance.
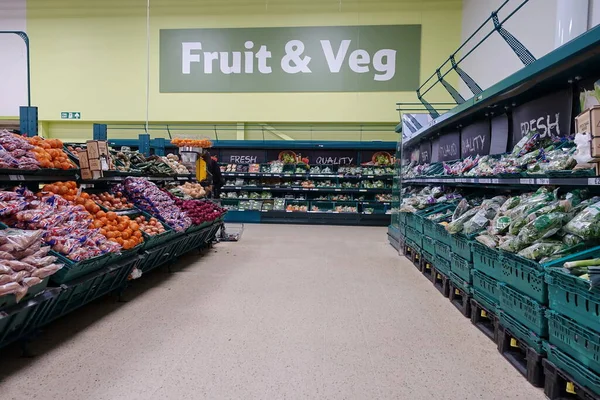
(216, 179)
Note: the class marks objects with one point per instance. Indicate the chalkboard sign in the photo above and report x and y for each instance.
(449, 146)
(475, 139)
(549, 115)
(499, 134)
(425, 153)
(333, 157)
(242, 156)
(320, 157)
(435, 150)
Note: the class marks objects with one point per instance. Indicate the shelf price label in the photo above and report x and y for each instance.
(594, 181)
(543, 181)
(16, 177)
(527, 181)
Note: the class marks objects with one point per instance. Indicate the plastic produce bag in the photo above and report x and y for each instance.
(20, 240)
(457, 225)
(542, 227)
(31, 281)
(46, 271)
(6, 278)
(487, 240)
(586, 224)
(571, 240)
(540, 250)
(9, 288)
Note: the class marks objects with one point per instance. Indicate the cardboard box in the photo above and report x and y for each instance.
(595, 147)
(97, 174)
(86, 174)
(83, 159)
(93, 149)
(594, 165)
(95, 164)
(103, 148)
(589, 121)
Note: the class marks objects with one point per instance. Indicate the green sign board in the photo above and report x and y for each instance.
(70, 115)
(374, 58)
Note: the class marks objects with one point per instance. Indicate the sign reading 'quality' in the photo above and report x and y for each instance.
(297, 59)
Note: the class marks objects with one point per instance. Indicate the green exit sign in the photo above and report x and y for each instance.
(70, 115)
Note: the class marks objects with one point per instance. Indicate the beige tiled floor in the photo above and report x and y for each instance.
(290, 312)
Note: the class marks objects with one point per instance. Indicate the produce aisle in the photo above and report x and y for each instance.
(287, 312)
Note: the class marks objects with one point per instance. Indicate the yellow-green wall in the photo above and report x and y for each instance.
(90, 56)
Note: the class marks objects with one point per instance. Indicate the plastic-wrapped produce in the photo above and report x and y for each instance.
(541, 227)
(540, 250)
(148, 197)
(586, 224)
(457, 225)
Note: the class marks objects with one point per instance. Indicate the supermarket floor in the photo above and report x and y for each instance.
(289, 312)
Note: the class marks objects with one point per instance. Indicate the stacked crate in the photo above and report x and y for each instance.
(442, 257)
(522, 323)
(572, 366)
(487, 272)
(461, 278)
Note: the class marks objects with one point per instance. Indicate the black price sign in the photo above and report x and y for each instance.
(549, 116)
(499, 134)
(425, 153)
(475, 139)
(243, 156)
(449, 146)
(333, 157)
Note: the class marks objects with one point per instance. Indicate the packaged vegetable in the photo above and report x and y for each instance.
(586, 224)
(539, 250)
(541, 227)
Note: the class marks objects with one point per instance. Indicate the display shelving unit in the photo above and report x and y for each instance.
(541, 319)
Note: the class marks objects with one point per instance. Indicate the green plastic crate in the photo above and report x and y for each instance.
(581, 343)
(155, 257)
(525, 279)
(427, 256)
(484, 300)
(428, 244)
(10, 300)
(487, 260)
(442, 235)
(415, 236)
(571, 296)
(461, 267)
(443, 250)
(22, 319)
(441, 264)
(461, 245)
(524, 309)
(582, 375)
(520, 331)
(73, 270)
(83, 290)
(486, 285)
(460, 282)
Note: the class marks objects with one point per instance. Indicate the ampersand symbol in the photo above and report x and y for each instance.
(293, 52)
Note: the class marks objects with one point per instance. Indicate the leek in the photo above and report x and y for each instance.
(582, 263)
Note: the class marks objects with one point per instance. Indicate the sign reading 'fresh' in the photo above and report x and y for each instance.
(296, 59)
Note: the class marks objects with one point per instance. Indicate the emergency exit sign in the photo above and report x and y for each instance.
(70, 115)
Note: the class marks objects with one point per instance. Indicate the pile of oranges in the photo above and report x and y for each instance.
(116, 228)
(49, 153)
(204, 143)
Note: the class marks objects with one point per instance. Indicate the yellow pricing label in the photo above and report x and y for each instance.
(570, 388)
(439, 276)
(456, 291)
(483, 314)
(514, 343)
